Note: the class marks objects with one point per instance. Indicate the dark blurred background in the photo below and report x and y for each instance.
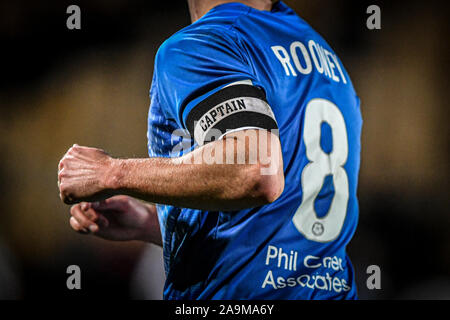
(90, 86)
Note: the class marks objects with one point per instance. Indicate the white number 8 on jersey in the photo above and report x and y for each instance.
(321, 165)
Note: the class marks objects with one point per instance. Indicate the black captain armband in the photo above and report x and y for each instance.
(235, 107)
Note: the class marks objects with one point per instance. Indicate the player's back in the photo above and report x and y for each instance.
(293, 248)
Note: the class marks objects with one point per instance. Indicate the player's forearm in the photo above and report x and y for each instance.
(180, 182)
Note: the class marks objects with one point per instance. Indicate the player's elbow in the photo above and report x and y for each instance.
(265, 185)
(261, 180)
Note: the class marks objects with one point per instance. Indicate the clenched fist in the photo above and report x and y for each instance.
(84, 174)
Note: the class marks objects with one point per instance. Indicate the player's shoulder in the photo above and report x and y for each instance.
(212, 30)
(194, 38)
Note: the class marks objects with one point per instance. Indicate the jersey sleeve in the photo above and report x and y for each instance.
(206, 84)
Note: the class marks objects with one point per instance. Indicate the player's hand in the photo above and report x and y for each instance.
(117, 218)
(83, 173)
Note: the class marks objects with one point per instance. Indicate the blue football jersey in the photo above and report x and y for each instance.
(236, 68)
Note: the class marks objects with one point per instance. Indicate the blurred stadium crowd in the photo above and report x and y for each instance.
(90, 87)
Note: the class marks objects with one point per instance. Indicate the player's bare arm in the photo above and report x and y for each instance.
(89, 174)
